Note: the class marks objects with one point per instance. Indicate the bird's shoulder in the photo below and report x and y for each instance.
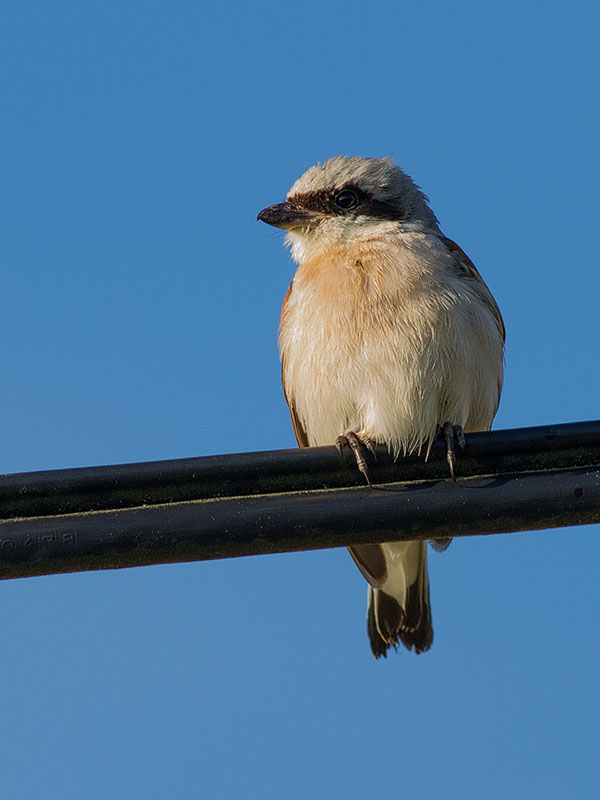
(467, 270)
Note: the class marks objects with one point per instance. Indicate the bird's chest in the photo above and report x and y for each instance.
(330, 324)
(348, 347)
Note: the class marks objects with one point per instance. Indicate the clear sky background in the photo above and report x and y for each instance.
(138, 317)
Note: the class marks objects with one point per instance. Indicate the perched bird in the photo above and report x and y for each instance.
(388, 335)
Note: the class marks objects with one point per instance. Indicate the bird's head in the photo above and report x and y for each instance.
(346, 199)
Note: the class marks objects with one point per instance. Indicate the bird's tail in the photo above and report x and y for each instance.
(398, 598)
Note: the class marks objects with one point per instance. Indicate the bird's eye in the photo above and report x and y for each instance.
(346, 199)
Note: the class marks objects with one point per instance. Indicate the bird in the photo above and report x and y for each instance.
(388, 335)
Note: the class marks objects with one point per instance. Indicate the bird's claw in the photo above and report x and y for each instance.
(358, 446)
(450, 432)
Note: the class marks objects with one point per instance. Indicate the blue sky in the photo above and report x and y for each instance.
(139, 314)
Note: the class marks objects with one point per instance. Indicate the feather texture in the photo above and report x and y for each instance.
(387, 331)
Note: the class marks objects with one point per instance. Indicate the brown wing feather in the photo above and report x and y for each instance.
(301, 436)
(370, 559)
(471, 271)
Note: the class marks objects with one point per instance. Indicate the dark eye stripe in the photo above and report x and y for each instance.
(323, 201)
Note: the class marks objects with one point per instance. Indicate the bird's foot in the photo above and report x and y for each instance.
(359, 447)
(451, 432)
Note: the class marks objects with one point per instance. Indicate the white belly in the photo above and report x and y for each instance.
(390, 368)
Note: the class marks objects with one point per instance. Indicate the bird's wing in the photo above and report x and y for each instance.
(301, 436)
(370, 559)
(469, 270)
(299, 431)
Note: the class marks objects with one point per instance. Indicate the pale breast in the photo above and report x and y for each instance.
(387, 342)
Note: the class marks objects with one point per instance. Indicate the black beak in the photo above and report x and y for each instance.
(286, 215)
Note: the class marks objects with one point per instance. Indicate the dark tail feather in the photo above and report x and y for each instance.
(378, 645)
(388, 623)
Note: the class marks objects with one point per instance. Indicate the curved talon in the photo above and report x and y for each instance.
(450, 431)
(370, 445)
(357, 446)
